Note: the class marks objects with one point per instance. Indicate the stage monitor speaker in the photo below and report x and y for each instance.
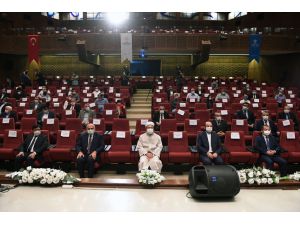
(214, 181)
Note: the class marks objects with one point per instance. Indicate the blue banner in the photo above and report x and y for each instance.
(254, 47)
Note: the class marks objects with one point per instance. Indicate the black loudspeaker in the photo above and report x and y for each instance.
(214, 181)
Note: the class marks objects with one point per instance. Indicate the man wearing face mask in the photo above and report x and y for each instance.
(174, 102)
(73, 105)
(96, 92)
(86, 114)
(100, 102)
(149, 147)
(36, 105)
(19, 93)
(32, 148)
(89, 145)
(45, 114)
(266, 121)
(219, 126)
(8, 113)
(192, 95)
(222, 95)
(288, 115)
(280, 97)
(254, 95)
(245, 99)
(159, 116)
(245, 113)
(209, 146)
(45, 94)
(269, 150)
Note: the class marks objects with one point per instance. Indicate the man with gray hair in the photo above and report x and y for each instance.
(149, 147)
(9, 113)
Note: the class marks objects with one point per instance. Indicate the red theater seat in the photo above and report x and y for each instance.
(6, 124)
(120, 124)
(120, 150)
(178, 147)
(289, 140)
(12, 140)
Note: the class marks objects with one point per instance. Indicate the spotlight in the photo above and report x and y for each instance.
(91, 77)
(57, 77)
(117, 18)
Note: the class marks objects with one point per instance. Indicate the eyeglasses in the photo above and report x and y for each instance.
(90, 128)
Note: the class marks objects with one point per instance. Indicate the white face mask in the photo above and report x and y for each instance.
(218, 118)
(267, 132)
(161, 111)
(265, 117)
(208, 129)
(245, 107)
(37, 133)
(150, 131)
(91, 131)
(286, 111)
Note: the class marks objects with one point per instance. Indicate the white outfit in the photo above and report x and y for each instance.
(193, 96)
(150, 143)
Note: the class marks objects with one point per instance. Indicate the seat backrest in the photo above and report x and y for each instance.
(46, 133)
(282, 127)
(111, 106)
(192, 126)
(168, 125)
(291, 145)
(202, 115)
(235, 145)
(109, 115)
(199, 106)
(9, 123)
(10, 141)
(99, 124)
(120, 124)
(255, 134)
(140, 127)
(119, 143)
(180, 117)
(74, 124)
(68, 114)
(27, 123)
(236, 127)
(178, 141)
(48, 125)
(65, 140)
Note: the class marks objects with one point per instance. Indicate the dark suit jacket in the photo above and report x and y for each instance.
(39, 107)
(51, 115)
(203, 146)
(251, 118)
(97, 143)
(222, 127)
(77, 108)
(40, 145)
(12, 114)
(292, 116)
(156, 116)
(260, 123)
(251, 96)
(261, 146)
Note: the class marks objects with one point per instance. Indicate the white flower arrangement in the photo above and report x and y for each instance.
(258, 175)
(149, 177)
(295, 176)
(42, 176)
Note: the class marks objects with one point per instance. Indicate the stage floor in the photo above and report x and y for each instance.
(31, 199)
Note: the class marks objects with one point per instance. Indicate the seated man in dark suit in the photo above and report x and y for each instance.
(209, 146)
(74, 106)
(159, 116)
(269, 150)
(219, 126)
(288, 115)
(88, 145)
(36, 104)
(266, 121)
(32, 148)
(245, 113)
(45, 114)
(8, 113)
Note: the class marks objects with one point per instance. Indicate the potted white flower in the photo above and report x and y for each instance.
(149, 177)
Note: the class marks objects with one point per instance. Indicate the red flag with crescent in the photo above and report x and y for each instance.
(33, 48)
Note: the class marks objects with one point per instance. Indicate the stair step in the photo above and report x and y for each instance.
(138, 115)
(140, 106)
(130, 111)
(141, 103)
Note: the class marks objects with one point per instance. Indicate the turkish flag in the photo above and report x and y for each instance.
(33, 48)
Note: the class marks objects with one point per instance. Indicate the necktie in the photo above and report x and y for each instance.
(287, 116)
(265, 122)
(161, 117)
(31, 145)
(218, 122)
(268, 143)
(89, 144)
